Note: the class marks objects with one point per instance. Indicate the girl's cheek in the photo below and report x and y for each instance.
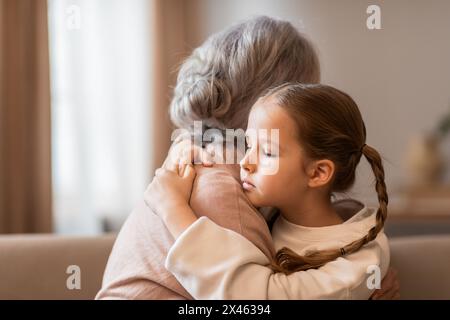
(269, 183)
(269, 166)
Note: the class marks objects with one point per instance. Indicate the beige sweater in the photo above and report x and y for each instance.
(214, 263)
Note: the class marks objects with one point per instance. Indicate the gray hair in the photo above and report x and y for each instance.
(219, 82)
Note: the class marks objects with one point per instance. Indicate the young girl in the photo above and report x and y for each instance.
(321, 140)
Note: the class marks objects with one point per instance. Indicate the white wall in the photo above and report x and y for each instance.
(399, 75)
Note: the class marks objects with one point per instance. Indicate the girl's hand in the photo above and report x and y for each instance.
(168, 196)
(183, 152)
(170, 190)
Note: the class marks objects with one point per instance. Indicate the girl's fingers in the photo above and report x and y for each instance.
(389, 281)
(200, 155)
(183, 162)
(172, 166)
(189, 172)
(175, 153)
(388, 295)
(207, 159)
(181, 167)
(392, 293)
(186, 153)
(162, 172)
(209, 154)
(197, 155)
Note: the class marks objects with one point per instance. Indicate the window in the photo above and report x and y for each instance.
(99, 56)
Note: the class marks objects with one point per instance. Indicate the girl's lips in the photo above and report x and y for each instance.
(247, 185)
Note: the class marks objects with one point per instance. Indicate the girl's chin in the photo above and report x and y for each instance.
(254, 198)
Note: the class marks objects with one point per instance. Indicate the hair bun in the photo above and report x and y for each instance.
(200, 97)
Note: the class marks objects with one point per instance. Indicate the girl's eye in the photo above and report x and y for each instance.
(267, 151)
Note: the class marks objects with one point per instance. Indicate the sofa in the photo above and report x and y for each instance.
(40, 266)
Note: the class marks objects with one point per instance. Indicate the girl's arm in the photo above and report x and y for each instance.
(215, 263)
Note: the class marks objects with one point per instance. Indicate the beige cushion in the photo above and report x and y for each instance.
(34, 266)
(423, 263)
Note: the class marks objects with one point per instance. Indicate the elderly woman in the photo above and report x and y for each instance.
(216, 85)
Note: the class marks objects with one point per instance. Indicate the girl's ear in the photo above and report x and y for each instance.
(320, 173)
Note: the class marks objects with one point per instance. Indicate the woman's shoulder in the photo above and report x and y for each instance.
(217, 194)
(218, 171)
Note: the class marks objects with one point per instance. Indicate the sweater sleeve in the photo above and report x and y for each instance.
(212, 262)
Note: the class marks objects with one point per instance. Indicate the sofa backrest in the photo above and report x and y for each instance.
(423, 264)
(36, 266)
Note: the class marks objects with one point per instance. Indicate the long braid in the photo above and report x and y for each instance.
(374, 159)
(287, 261)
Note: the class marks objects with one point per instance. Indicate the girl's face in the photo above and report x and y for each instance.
(272, 172)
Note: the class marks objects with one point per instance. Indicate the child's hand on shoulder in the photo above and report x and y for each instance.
(184, 150)
(170, 189)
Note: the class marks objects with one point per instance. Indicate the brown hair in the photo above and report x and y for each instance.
(330, 126)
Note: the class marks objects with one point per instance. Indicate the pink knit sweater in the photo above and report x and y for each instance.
(135, 268)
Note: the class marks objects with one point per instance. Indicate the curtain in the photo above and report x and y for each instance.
(25, 158)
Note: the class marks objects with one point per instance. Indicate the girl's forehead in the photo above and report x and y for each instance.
(267, 114)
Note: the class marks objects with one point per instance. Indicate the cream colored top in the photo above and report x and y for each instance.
(212, 262)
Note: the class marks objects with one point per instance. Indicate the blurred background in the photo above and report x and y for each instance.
(85, 88)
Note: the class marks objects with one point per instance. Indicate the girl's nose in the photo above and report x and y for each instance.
(246, 165)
